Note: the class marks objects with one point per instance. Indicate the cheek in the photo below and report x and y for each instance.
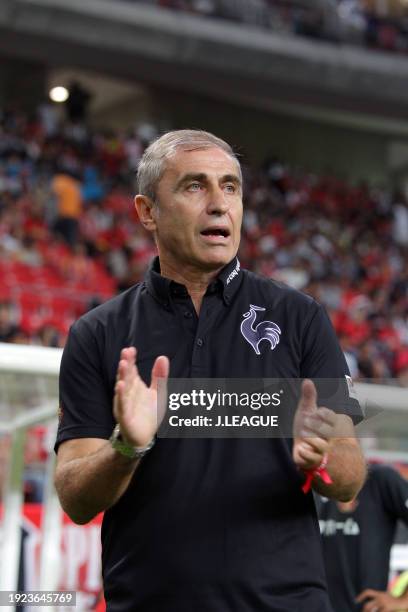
(237, 220)
(174, 225)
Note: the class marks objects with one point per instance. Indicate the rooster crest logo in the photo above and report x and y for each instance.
(265, 330)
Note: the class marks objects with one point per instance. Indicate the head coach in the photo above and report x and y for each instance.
(201, 525)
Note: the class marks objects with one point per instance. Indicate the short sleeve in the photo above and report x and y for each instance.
(323, 361)
(85, 400)
(394, 492)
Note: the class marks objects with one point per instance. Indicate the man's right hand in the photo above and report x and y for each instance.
(380, 601)
(86, 465)
(136, 406)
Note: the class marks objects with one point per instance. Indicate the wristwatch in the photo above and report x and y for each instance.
(131, 452)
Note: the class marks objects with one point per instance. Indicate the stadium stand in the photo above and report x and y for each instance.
(69, 238)
(365, 22)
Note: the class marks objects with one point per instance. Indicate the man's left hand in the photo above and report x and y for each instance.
(313, 429)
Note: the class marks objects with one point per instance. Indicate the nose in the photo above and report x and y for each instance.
(217, 202)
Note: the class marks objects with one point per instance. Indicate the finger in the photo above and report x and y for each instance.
(316, 445)
(308, 398)
(124, 374)
(122, 370)
(119, 387)
(366, 594)
(308, 455)
(160, 373)
(128, 354)
(372, 606)
(160, 370)
(131, 372)
(121, 391)
(127, 376)
(118, 403)
(128, 369)
(300, 445)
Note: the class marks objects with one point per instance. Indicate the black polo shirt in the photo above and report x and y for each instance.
(357, 544)
(206, 525)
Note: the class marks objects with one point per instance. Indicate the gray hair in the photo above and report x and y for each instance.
(153, 163)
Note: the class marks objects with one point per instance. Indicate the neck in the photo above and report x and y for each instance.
(347, 507)
(195, 281)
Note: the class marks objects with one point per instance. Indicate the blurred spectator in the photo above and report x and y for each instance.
(146, 132)
(77, 102)
(92, 188)
(400, 220)
(352, 19)
(9, 330)
(67, 190)
(49, 335)
(35, 455)
(401, 367)
(49, 117)
(381, 25)
(350, 355)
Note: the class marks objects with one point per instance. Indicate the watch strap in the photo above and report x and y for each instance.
(127, 450)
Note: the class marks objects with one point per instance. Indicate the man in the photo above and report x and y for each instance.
(210, 525)
(357, 539)
(67, 191)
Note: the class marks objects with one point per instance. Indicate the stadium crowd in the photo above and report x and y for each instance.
(69, 238)
(362, 22)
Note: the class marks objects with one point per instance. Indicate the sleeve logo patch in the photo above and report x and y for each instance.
(351, 388)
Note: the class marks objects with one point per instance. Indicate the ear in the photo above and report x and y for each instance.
(146, 210)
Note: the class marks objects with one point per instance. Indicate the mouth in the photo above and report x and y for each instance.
(216, 234)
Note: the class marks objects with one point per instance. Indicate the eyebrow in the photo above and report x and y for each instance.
(202, 177)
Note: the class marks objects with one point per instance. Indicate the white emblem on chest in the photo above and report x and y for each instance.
(265, 330)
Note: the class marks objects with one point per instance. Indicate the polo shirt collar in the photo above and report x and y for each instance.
(231, 278)
(227, 282)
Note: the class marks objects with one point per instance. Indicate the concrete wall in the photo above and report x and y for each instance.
(22, 83)
(209, 57)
